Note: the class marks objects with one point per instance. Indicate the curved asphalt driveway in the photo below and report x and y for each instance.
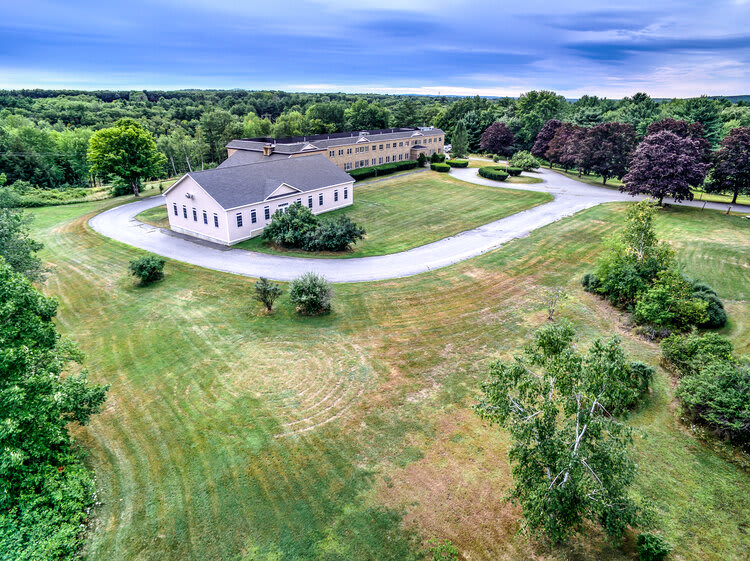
(571, 196)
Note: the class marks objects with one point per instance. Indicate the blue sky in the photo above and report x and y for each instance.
(667, 48)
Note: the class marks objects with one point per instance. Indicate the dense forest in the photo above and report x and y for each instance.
(44, 134)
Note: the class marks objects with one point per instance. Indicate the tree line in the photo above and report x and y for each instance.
(45, 134)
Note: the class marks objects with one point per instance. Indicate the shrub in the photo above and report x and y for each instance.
(497, 173)
(495, 158)
(383, 169)
(590, 282)
(334, 234)
(458, 163)
(652, 548)
(266, 292)
(147, 269)
(291, 228)
(442, 168)
(669, 303)
(421, 160)
(687, 353)
(701, 287)
(524, 160)
(442, 551)
(437, 158)
(513, 171)
(716, 315)
(311, 294)
(718, 395)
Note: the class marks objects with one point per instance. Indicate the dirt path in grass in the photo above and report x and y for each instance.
(570, 197)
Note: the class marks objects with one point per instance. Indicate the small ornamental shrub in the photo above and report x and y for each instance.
(266, 292)
(311, 294)
(495, 158)
(147, 269)
(497, 173)
(421, 160)
(442, 168)
(652, 548)
(437, 158)
(457, 163)
(513, 171)
(524, 160)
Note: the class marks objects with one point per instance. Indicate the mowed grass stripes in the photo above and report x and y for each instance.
(233, 435)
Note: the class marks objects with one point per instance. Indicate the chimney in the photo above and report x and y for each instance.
(268, 149)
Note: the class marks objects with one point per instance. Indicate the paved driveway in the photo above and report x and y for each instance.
(571, 196)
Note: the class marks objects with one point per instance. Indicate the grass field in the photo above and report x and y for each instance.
(232, 435)
(404, 212)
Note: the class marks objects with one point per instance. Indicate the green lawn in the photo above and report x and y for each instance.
(404, 212)
(232, 435)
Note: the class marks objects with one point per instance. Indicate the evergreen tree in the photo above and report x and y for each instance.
(459, 141)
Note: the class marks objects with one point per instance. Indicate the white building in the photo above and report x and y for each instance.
(235, 201)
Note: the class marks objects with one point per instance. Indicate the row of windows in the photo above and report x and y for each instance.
(195, 214)
(374, 147)
(283, 206)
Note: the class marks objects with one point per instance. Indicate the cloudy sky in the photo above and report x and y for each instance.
(668, 48)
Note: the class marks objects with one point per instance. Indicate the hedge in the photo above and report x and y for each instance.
(497, 173)
(457, 163)
(383, 169)
(442, 168)
(514, 171)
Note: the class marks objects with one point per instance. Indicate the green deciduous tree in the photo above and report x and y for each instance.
(44, 487)
(731, 172)
(363, 115)
(126, 152)
(266, 292)
(16, 247)
(570, 455)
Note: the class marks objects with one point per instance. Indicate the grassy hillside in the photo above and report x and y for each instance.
(229, 434)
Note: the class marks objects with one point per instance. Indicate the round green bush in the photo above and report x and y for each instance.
(514, 171)
(458, 163)
(497, 173)
(311, 294)
(590, 282)
(442, 168)
(147, 269)
(717, 316)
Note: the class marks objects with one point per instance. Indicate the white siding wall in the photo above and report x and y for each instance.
(228, 232)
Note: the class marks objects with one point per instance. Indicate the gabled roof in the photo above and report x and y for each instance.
(241, 185)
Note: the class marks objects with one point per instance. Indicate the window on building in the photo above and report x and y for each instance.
(400, 156)
(195, 215)
(348, 150)
(184, 211)
(309, 201)
(331, 153)
(267, 213)
(320, 199)
(341, 152)
(335, 196)
(216, 220)
(299, 200)
(387, 159)
(348, 166)
(388, 145)
(239, 220)
(400, 143)
(380, 160)
(346, 193)
(381, 146)
(205, 217)
(253, 216)
(373, 161)
(174, 205)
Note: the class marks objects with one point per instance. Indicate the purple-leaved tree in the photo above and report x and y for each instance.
(564, 148)
(731, 173)
(544, 137)
(683, 129)
(607, 149)
(666, 165)
(497, 139)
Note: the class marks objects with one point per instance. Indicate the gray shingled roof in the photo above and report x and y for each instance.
(235, 186)
(324, 144)
(244, 157)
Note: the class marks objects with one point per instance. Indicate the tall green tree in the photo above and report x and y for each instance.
(44, 487)
(570, 455)
(731, 171)
(363, 115)
(533, 110)
(127, 152)
(459, 141)
(17, 247)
